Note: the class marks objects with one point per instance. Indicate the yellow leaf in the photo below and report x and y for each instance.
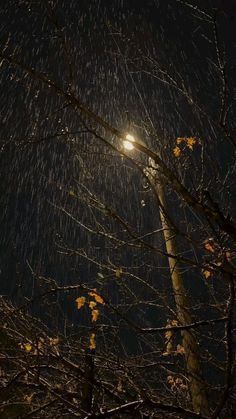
(29, 398)
(97, 297)
(118, 272)
(179, 140)
(92, 341)
(92, 304)
(169, 347)
(176, 151)
(209, 245)
(80, 302)
(169, 338)
(207, 274)
(180, 350)
(120, 387)
(27, 347)
(168, 334)
(95, 314)
(179, 380)
(190, 141)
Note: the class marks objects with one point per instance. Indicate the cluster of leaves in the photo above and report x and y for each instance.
(220, 257)
(94, 299)
(177, 383)
(169, 341)
(183, 142)
(92, 302)
(40, 345)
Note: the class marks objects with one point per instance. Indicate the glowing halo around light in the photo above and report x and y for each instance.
(128, 142)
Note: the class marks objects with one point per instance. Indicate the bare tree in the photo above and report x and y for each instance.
(147, 231)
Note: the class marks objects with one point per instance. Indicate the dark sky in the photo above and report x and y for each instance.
(108, 53)
(73, 206)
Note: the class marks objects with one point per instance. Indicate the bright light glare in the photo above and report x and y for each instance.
(128, 142)
(130, 137)
(128, 145)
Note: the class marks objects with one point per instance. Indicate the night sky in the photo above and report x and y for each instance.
(147, 67)
(109, 55)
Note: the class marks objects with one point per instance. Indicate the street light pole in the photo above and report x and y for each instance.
(190, 344)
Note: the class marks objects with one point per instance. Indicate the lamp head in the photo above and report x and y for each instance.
(128, 142)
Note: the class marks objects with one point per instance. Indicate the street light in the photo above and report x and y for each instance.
(128, 142)
(190, 344)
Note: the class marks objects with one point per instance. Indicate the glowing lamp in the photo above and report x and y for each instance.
(128, 142)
